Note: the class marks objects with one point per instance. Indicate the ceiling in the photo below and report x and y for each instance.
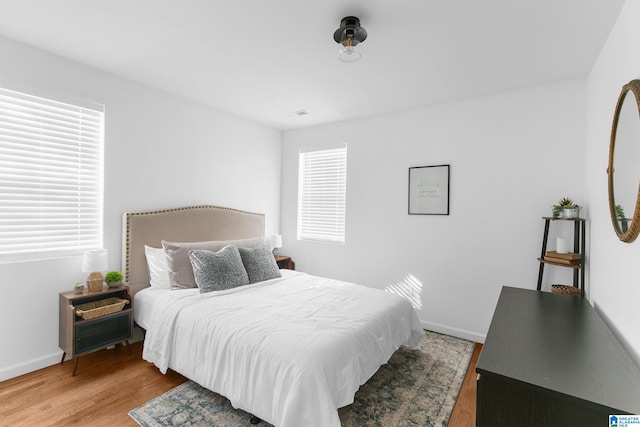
(263, 59)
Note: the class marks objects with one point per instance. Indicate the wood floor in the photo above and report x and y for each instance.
(464, 412)
(110, 383)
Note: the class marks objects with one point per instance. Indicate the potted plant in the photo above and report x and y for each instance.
(113, 279)
(566, 209)
(624, 226)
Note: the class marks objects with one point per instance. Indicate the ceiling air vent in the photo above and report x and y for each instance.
(298, 113)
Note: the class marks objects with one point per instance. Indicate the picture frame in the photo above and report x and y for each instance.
(429, 190)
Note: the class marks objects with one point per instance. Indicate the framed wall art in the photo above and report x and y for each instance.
(429, 190)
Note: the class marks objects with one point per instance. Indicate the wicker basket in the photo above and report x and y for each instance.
(565, 290)
(101, 307)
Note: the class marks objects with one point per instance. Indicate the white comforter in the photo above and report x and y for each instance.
(290, 351)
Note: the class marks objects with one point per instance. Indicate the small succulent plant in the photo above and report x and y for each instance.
(564, 203)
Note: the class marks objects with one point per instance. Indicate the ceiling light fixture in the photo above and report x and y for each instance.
(349, 35)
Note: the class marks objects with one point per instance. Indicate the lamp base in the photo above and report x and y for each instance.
(94, 282)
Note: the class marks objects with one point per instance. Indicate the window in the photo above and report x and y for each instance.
(51, 162)
(322, 188)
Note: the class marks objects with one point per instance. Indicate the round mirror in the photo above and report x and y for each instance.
(624, 158)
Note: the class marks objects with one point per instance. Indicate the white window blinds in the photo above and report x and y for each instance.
(51, 162)
(322, 186)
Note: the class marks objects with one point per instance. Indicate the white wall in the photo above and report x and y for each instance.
(615, 266)
(160, 151)
(512, 156)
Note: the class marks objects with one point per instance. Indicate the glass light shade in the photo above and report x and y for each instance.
(94, 260)
(349, 53)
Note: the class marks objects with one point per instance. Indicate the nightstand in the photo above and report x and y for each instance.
(78, 336)
(285, 262)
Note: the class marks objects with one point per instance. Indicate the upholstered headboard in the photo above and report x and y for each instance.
(188, 224)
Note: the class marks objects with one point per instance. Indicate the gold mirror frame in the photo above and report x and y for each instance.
(632, 232)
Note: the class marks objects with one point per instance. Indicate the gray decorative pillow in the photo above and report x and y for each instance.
(217, 271)
(180, 270)
(259, 263)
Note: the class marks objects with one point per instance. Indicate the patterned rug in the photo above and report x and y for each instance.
(416, 388)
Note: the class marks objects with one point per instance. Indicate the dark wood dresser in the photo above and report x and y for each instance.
(550, 360)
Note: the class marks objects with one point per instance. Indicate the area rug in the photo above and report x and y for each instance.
(416, 388)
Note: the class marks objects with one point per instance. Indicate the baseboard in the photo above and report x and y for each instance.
(30, 366)
(49, 360)
(455, 332)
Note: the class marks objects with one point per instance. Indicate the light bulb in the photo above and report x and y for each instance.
(349, 53)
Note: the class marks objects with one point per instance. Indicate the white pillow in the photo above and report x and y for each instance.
(158, 269)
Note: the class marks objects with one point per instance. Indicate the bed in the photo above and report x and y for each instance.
(290, 350)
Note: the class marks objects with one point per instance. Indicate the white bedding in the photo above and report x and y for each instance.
(290, 350)
(144, 301)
